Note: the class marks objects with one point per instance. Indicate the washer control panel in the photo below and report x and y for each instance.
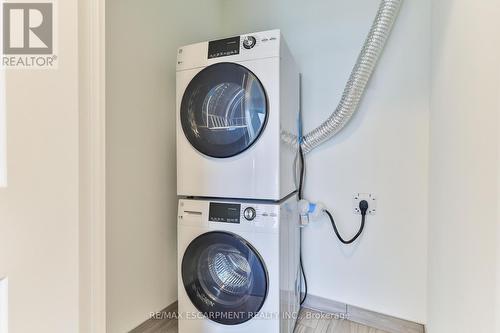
(244, 215)
(241, 213)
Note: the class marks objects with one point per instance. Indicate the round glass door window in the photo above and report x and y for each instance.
(224, 278)
(223, 110)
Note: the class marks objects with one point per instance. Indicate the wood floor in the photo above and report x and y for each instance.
(314, 322)
(309, 322)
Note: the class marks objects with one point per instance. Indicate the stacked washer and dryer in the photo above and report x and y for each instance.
(238, 225)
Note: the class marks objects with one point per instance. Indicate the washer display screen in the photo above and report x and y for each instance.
(222, 212)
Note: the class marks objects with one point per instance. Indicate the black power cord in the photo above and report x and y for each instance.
(302, 173)
(363, 207)
(303, 272)
(301, 189)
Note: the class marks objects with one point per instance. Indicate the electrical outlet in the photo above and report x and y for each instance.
(370, 198)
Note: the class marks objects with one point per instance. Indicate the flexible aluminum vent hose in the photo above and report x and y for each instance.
(360, 75)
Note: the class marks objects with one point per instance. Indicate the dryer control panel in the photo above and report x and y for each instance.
(252, 46)
(236, 45)
(224, 47)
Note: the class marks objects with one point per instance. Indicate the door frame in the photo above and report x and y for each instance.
(92, 174)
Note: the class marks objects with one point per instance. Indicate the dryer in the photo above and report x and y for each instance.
(238, 266)
(237, 108)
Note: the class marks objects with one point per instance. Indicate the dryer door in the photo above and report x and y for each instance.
(223, 110)
(224, 277)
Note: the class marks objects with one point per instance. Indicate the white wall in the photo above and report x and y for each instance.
(464, 167)
(142, 40)
(497, 307)
(3, 134)
(39, 209)
(383, 150)
(3, 128)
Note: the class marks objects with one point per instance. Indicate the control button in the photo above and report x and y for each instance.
(250, 214)
(249, 42)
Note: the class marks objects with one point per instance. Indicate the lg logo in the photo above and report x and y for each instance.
(28, 28)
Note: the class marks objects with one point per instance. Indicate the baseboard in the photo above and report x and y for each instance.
(325, 305)
(362, 316)
(162, 319)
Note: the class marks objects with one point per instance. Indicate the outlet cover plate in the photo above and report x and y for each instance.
(372, 203)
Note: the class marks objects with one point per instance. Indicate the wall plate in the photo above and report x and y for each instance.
(372, 203)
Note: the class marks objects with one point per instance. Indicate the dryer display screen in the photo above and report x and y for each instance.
(225, 213)
(224, 47)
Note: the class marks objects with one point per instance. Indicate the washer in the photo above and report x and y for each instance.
(238, 266)
(237, 108)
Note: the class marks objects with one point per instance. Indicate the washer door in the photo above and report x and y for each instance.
(224, 277)
(223, 110)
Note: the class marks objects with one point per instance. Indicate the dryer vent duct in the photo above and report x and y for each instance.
(360, 75)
